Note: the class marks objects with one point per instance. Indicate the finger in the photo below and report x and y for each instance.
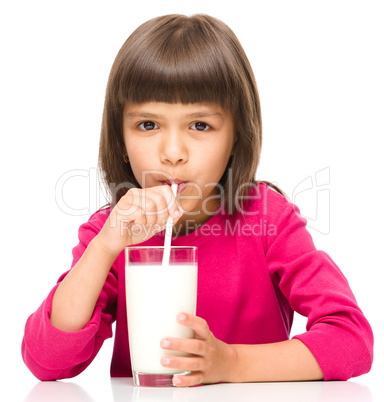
(144, 206)
(172, 203)
(191, 346)
(198, 324)
(129, 205)
(183, 363)
(128, 212)
(175, 209)
(161, 203)
(156, 205)
(150, 207)
(188, 380)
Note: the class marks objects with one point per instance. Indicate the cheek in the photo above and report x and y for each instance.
(136, 161)
(217, 158)
(137, 153)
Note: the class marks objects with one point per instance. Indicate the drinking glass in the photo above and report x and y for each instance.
(155, 294)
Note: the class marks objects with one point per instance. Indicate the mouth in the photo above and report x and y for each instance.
(181, 184)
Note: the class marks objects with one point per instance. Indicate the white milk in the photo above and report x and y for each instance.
(155, 295)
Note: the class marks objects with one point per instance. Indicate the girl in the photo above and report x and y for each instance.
(182, 107)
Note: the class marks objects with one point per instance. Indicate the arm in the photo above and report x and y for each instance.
(51, 353)
(338, 343)
(338, 334)
(75, 298)
(215, 361)
(66, 332)
(282, 361)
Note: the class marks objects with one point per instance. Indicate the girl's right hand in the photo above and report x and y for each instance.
(139, 215)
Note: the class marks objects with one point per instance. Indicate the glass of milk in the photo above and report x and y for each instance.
(155, 294)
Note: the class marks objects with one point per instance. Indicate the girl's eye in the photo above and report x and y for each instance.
(148, 125)
(200, 126)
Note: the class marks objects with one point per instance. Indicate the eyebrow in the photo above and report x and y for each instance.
(147, 115)
(143, 114)
(204, 114)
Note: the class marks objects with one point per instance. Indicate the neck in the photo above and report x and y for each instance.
(191, 220)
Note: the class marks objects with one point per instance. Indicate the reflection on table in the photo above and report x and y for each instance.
(122, 390)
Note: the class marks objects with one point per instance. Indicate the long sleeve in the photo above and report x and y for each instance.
(52, 354)
(338, 334)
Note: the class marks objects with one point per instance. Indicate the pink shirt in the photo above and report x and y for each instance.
(254, 271)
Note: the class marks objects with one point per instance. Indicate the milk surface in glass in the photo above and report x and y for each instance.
(155, 295)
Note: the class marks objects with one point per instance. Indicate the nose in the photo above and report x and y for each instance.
(173, 148)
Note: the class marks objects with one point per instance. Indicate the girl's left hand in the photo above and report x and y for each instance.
(211, 360)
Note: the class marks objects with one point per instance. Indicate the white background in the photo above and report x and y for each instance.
(319, 69)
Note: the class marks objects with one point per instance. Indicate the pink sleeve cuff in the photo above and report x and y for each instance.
(332, 351)
(48, 348)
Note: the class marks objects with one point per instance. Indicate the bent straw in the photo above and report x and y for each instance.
(168, 234)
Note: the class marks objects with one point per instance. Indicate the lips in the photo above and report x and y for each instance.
(181, 184)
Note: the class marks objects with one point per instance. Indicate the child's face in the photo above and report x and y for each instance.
(190, 144)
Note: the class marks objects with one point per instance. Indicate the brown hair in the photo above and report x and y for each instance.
(175, 58)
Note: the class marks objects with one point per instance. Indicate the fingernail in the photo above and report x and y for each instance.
(176, 380)
(165, 361)
(176, 213)
(182, 317)
(165, 343)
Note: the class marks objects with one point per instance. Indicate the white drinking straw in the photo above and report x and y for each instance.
(168, 233)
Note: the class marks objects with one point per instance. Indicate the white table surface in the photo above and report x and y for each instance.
(17, 384)
(122, 390)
